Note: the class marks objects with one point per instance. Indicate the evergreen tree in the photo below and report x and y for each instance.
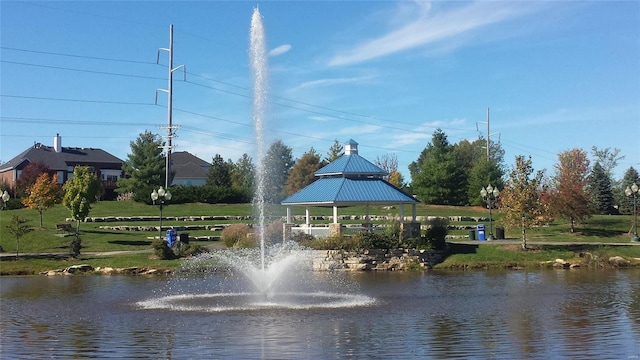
(600, 190)
(335, 151)
(302, 172)
(80, 192)
(625, 202)
(145, 165)
(242, 173)
(277, 163)
(608, 159)
(440, 180)
(219, 173)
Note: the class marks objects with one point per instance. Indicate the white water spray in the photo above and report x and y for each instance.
(258, 60)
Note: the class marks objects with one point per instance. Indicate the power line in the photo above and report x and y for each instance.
(78, 56)
(82, 70)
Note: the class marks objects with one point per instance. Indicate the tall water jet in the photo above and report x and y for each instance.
(258, 61)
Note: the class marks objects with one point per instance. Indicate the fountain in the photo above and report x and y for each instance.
(277, 276)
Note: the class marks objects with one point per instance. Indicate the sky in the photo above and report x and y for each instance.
(555, 75)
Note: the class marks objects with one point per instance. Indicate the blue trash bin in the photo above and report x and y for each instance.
(481, 232)
(171, 237)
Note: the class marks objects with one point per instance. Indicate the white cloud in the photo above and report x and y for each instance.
(280, 50)
(328, 82)
(422, 28)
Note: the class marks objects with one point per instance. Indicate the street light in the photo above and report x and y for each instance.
(5, 198)
(629, 191)
(162, 195)
(489, 194)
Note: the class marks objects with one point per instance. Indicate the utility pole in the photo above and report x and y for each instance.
(169, 128)
(488, 134)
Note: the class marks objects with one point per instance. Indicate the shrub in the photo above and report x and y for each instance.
(435, 237)
(233, 234)
(371, 240)
(162, 250)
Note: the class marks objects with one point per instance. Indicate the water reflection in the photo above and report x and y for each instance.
(543, 314)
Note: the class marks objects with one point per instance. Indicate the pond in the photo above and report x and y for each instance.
(481, 314)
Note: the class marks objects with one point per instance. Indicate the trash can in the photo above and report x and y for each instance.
(171, 237)
(481, 235)
(499, 233)
(472, 234)
(184, 238)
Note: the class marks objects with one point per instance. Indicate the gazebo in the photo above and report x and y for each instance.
(351, 180)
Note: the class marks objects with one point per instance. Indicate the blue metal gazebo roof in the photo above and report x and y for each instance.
(350, 180)
(342, 191)
(352, 164)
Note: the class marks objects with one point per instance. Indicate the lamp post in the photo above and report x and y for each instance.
(5, 198)
(490, 195)
(633, 191)
(161, 195)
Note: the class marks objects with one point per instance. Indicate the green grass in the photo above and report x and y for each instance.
(33, 266)
(46, 239)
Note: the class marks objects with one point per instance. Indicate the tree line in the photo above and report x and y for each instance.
(443, 174)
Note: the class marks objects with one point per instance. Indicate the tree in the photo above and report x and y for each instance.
(277, 163)
(242, 173)
(519, 200)
(570, 199)
(18, 227)
(303, 172)
(80, 192)
(29, 175)
(389, 163)
(335, 151)
(145, 165)
(219, 173)
(439, 179)
(600, 190)
(43, 194)
(607, 158)
(480, 171)
(625, 202)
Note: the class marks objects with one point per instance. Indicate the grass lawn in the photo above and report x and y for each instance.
(47, 239)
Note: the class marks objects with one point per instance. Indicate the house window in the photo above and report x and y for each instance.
(60, 177)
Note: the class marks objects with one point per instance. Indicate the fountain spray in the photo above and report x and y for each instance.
(258, 60)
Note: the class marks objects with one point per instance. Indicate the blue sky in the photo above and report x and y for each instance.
(556, 75)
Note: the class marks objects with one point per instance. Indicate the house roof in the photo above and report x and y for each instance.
(60, 161)
(188, 166)
(182, 158)
(343, 191)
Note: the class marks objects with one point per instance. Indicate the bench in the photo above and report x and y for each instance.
(63, 227)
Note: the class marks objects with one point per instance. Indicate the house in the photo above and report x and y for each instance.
(62, 160)
(188, 169)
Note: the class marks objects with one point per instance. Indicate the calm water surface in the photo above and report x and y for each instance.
(504, 315)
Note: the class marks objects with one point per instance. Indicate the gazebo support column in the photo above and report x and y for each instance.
(401, 213)
(307, 217)
(412, 229)
(367, 220)
(289, 215)
(335, 214)
(335, 229)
